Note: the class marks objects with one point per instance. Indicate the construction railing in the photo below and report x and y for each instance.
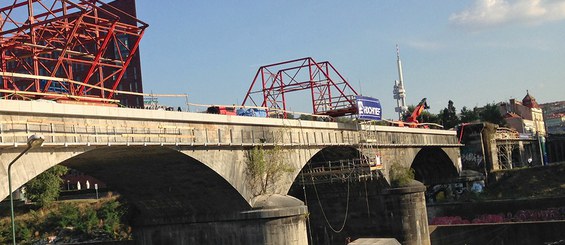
(129, 133)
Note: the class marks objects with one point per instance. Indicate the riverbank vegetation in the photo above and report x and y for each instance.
(68, 222)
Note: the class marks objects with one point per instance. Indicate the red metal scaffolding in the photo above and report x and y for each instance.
(60, 49)
(331, 94)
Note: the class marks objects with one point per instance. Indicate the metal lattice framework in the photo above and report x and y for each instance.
(331, 94)
(60, 49)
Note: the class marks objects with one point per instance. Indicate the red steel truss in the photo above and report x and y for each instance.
(331, 94)
(60, 49)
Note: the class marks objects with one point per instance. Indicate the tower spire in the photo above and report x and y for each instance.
(399, 92)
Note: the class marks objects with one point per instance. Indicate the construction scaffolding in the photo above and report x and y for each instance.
(513, 150)
(365, 165)
(65, 50)
(330, 93)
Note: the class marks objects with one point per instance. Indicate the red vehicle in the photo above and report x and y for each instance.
(223, 110)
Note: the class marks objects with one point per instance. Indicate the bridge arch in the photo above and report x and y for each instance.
(331, 154)
(331, 157)
(160, 182)
(329, 164)
(432, 165)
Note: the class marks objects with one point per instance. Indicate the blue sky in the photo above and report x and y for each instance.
(471, 51)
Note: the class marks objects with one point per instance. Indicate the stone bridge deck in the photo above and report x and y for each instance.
(74, 125)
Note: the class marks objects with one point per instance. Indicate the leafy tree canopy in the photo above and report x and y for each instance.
(469, 115)
(490, 113)
(448, 116)
(45, 188)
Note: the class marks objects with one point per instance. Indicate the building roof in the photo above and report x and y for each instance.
(530, 101)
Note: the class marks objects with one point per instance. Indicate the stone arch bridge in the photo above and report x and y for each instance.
(191, 167)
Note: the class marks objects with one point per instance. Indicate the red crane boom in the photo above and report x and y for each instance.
(413, 118)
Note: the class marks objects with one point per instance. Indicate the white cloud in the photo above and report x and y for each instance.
(489, 13)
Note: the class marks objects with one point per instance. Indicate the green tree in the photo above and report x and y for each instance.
(428, 117)
(45, 188)
(448, 116)
(469, 115)
(490, 113)
(265, 167)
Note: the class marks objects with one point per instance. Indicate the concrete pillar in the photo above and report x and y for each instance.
(522, 154)
(407, 215)
(274, 220)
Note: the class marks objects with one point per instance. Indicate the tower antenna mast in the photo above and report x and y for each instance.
(399, 92)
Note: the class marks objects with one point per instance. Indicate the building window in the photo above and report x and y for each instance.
(121, 51)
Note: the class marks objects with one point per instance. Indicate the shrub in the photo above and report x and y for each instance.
(23, 231)
(111, 213)
(88, 221)
(400, 175)
(69, 215)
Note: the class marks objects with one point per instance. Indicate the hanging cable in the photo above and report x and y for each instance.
(346, 206)
(318, 197)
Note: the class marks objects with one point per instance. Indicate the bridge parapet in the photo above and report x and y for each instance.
(405, 137)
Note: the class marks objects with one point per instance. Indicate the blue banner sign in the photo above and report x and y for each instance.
(368, 108)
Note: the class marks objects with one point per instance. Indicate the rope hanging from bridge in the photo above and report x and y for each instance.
(322, 208)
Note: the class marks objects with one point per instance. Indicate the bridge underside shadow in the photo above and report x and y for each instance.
(164, 185)
(432, 165)
(342, 196)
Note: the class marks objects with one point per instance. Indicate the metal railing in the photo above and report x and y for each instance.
(139, 133)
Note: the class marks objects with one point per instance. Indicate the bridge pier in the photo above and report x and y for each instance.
(406, 214)
(274, 220)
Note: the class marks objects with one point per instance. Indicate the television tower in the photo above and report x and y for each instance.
(399, 92)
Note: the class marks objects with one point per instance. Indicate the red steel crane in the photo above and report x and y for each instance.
(413, 118)
(65, 50)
